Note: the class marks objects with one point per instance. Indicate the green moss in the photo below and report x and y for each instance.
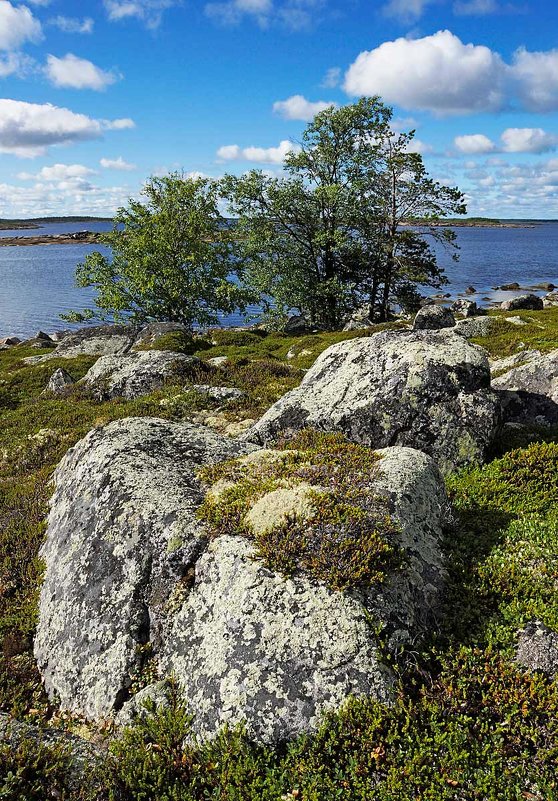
(177, 342)
(343, 542)
(540, 332)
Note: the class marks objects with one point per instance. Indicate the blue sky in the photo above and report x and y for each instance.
(98, 95)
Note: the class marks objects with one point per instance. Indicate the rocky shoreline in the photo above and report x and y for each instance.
(78, 238)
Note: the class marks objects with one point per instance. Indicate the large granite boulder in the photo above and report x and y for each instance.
(122, 533)
(249, 645)
(428, 390)
(134, 374)
(530, 392)
(433, 317)
(529, 302)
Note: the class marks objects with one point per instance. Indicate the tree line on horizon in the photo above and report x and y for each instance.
(322, 239)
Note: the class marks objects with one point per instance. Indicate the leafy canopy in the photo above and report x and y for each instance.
(171, 258)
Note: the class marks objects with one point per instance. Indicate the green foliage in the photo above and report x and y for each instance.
(540, 332)
(170, 258)
(177, 342)
(34, 771)
(327, 238)
(344, 542)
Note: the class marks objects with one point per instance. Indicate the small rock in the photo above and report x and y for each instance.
(537, 648)
(10, 341)
(470, 290)
(433, 318)
(42, 335)
(514, 287)
(297, 324)
(235, 429)
(550, 300)
(515, 320)
(532, 302)
(218, 361)
(467, 308)
(58, 381)
(219, 393)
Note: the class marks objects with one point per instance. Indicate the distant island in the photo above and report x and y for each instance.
(38, 222)
(76, 238)
(475, 222)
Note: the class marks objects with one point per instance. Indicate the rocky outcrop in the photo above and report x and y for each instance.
(122, 533)
(250, 646)
(129, 567)
(537, 648)
(476, 327)
(59, 381)
(530, 392)
(433, 317)
(500, 366)
(134, 374)
(529, 302)
(428, 390)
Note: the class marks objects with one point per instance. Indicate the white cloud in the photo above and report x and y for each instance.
(73, 24)
(406, 10)
(528, 140)
(16, 64)
(118, 125)
(537, 76)
(436, 73)
(117, 164)
(58, 172)
(418, 146)
(298, 108)
(29, 129)
(262, 155)
(150, 12)
(332, 78)
(474, 143)
(77, 73)
(17, 26)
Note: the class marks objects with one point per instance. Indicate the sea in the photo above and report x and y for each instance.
(37, 281)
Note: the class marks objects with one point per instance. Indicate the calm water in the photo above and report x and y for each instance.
(37, 283)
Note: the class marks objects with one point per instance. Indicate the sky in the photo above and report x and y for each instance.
(99, 94)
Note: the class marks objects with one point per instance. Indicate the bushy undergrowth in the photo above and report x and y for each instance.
(466, 725)
(345, 539)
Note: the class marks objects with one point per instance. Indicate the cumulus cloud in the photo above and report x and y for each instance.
(537, 77)
(73, 24)
(262, 155)
(436, 73)
(29, 129)
(150, 12)
(58, 172)
(117, 164)
(17, 26)
(16, 64)
(474, 143)
(118, 125)
(512, 140)
(77, 73)
(298, 107)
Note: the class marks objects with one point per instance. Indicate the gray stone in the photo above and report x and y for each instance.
(467, 308)
(423, 389)
(273, 653)
(137, 708)
(100, 340)
(151, 332)
(500, 366)
(550, 300)
(224, 394)
(537, 648)
(134, 374)
(433, 317)
(476, 327)
(530, 392)
(529, 301)
(296, 324)
(59, 381)
(122, 534)
(11, 341)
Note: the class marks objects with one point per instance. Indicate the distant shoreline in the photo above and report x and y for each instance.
(39, 222)
(80, 238)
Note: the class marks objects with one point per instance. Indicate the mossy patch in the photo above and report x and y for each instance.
(345, 536)
(540, 332)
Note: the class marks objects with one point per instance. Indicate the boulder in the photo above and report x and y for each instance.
(531, 302)
(134, 374)
(501, 366)
(530, 392)
(223, 394)
(10, 341)
(470, 290)
(423, 389)
(550, 300)
(99, 340)
(433, 318)
(151, 332)
(122, 536)
(250, 646)
(360, 319)
(59, 381)
(296, 324)
(537, 648)
(476, 327)
(467, 308)
(513, 287)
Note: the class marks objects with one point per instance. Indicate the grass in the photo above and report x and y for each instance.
(466, 724)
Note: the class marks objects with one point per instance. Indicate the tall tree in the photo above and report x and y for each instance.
(171, 258)
(329, 235)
